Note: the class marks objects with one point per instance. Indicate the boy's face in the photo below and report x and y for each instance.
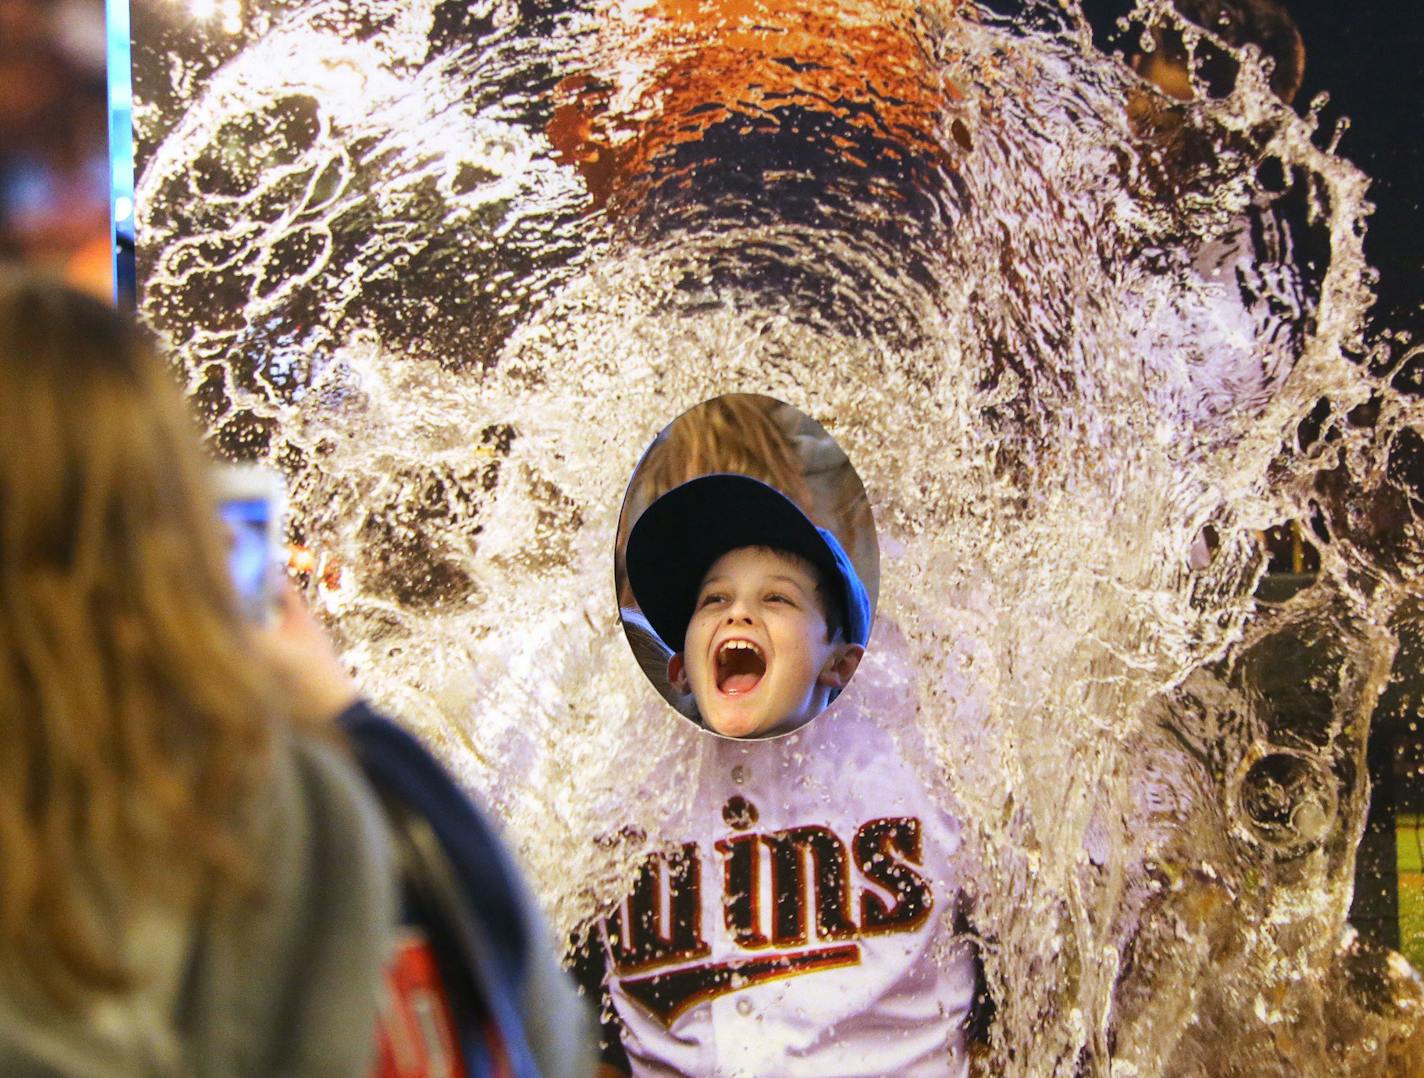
(756, 657)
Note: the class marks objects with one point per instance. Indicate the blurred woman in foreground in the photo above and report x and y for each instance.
(195, 878)
(190, 882)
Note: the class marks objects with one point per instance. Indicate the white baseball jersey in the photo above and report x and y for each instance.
(804, 928)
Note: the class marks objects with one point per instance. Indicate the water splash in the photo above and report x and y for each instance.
(453, 268)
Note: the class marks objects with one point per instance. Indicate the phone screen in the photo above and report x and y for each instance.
(251, 559)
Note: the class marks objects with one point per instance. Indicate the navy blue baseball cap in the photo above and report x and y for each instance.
(679, 536)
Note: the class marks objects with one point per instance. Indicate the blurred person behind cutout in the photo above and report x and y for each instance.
(54, 160)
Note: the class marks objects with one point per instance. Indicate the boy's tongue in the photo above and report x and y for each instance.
(739, 683)
(739, 671)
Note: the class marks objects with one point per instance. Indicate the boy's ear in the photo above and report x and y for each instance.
(841, 666)
(677, 674)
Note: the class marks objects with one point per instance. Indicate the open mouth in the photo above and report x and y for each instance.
(740, 667)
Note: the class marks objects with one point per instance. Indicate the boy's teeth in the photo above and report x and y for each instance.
(739, 645)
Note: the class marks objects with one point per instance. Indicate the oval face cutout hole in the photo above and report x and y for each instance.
(747, 566)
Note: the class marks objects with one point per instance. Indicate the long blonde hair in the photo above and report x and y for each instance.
(133, 713)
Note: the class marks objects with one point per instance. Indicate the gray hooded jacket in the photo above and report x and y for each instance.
(287, 985)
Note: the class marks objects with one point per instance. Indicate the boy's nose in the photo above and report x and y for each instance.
(739, 611)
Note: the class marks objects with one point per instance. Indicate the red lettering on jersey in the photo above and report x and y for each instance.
(637, 936)
(884, 851)
(741, 890)
(830, 879)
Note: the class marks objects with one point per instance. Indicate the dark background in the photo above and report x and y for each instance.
(1369, 57)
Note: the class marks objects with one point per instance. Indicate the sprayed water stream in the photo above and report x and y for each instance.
(453, 268)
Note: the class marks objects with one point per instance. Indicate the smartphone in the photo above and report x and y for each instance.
(252, 502)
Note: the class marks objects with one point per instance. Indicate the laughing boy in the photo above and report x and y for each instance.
(764, 612)
(811, 922)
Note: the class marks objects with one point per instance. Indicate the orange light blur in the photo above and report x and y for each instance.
(666, 73)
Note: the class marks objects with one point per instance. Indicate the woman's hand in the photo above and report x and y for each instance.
(298, 649)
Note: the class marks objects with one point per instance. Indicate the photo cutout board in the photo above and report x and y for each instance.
(451, 267)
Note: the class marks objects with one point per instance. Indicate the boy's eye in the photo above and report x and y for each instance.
(777, 597)
(711, 598)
